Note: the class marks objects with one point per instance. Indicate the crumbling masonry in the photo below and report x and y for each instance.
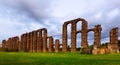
(39, 41)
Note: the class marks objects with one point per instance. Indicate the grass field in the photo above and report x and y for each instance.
(18, 58)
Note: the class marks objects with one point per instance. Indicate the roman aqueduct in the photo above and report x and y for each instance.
(39, 41)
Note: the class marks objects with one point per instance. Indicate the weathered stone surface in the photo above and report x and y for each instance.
(45, 40)
(34, 41)
(4, 43)
(39, 41)
(12, 44)
(97, 35)
(28, 42)
(73, 34)
(31, 41)
(73, 37)
(57, 45)
(16, 43)
(64, 37)
(50, 48)
(113, 45)
(96, 51)
(84, 42)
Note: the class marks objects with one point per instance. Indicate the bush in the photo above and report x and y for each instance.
(87, 50)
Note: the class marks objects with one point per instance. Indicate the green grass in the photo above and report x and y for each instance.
(21, 58)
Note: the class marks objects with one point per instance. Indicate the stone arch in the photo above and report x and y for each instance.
(97, 34)
(83, 32)
(78, 36)
(73, 34)
(42, 40)
(64, 36)
(39, 41)
(89, 31)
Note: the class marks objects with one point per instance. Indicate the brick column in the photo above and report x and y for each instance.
(9, 44)
(39, 41)
(97, 35)
(73, 37)
(31, 41)
(45, 40)
(64, 37)
(12, 43)
(3, 43)
(34, 41)
(25, 42)
(21, 43)
(16, 41)
(28, 42)
(84, 34)
(113, 45)
(50, 49)
(57, 45)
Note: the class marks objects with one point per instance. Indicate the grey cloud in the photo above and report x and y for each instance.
(42, 12)
(37, 9)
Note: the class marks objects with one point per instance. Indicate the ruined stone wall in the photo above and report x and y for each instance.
(97, 35)
(50, 45)
(57, 45)
(3, 43)
(39, 41)
(74, 32)
(113, 45)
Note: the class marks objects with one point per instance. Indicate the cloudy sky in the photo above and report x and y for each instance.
(21, 16)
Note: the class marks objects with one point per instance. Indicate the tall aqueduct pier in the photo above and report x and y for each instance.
(39, 41)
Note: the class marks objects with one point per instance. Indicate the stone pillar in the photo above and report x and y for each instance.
(28, 42)
(3, 43)
(9, 44)
(84, 34)
(31, 41)
(24, 42)
(73, 37)
(64, 37)
(45, 40)
(34, 41)
(57, 45)
(39, 41)
(113, 45)
(16, 43)
(97, 35)
(50, 49)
